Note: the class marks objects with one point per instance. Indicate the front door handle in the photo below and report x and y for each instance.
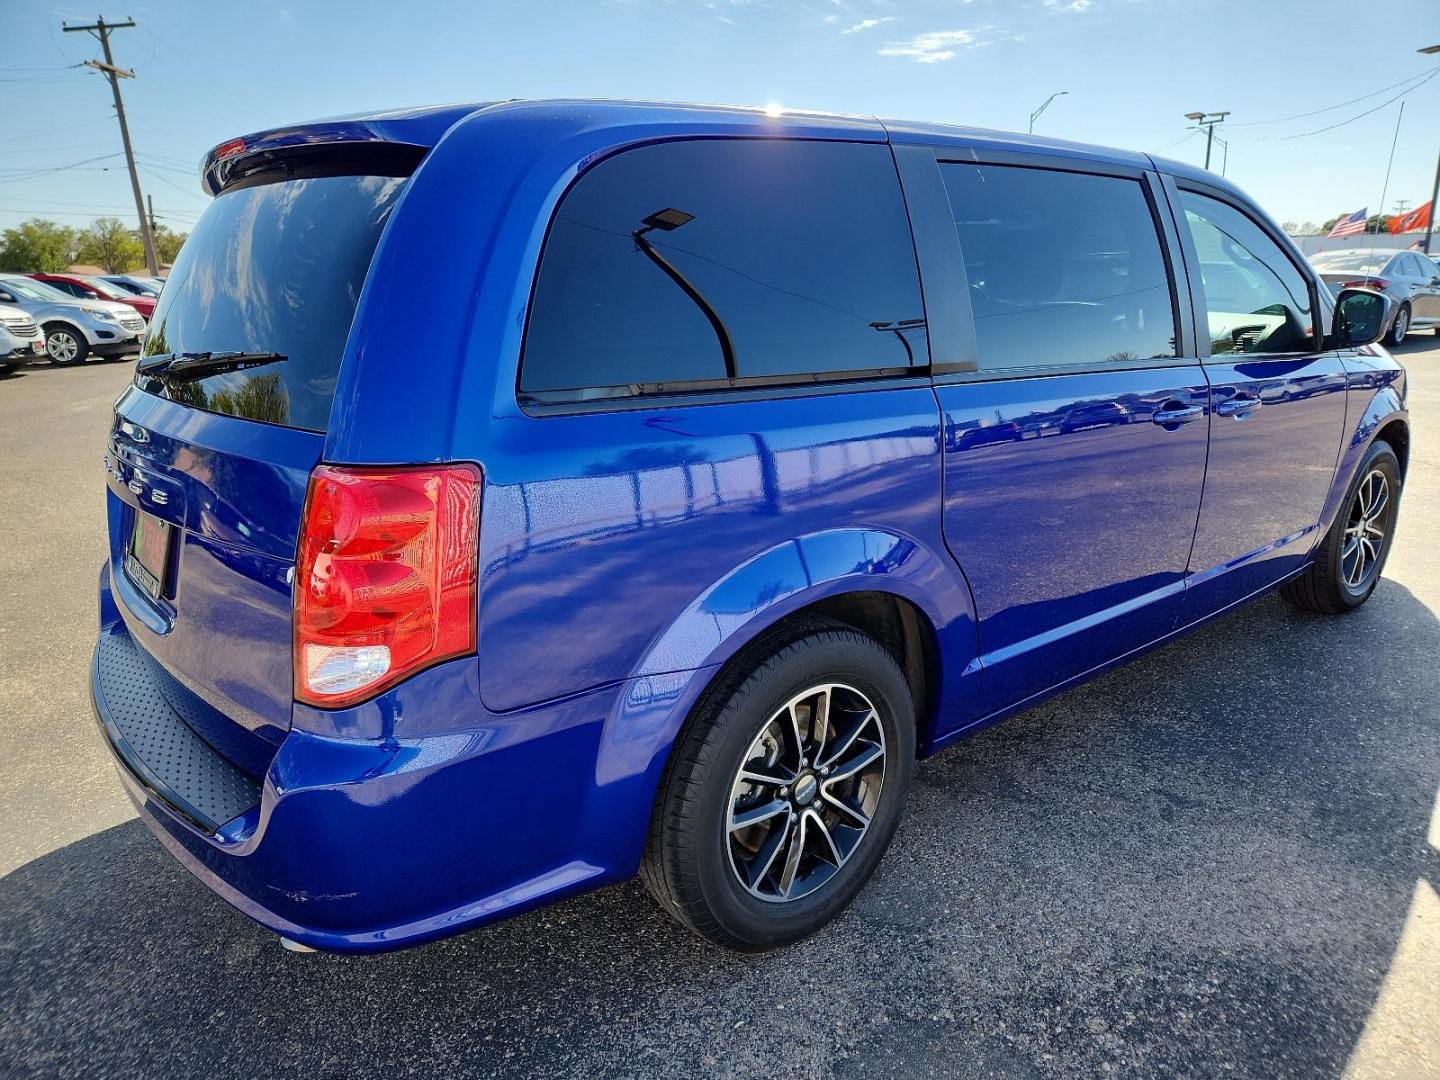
(1239, 407)
(1173, 414)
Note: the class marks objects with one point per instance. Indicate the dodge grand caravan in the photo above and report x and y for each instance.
(513, 498)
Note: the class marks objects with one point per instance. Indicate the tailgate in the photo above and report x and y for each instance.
(210, 452)
(231, 492)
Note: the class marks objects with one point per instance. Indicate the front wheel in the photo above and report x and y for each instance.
(1347, 567)
(784, 792)
(65, 345)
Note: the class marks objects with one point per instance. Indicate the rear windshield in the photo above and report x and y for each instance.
(272, 269)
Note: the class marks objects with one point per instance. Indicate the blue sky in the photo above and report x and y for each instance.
(1133, 68)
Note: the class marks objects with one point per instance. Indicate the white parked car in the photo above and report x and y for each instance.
(20, 338)
(74, 328)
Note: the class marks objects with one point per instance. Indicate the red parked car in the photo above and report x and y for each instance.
(92, 288)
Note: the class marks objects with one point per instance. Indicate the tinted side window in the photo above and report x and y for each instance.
(792, 257)
(1064, 268)
(1256, 300)
(66, 287)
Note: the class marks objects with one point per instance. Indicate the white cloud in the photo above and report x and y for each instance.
(867, 24)
(1075, 6)
(939, 45)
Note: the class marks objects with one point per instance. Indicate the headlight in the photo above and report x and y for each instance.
(99, 313)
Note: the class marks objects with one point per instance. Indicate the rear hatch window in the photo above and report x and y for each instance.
(270, 277)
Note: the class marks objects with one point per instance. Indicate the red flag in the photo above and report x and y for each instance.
(1418, 218)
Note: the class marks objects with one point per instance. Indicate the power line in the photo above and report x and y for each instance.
(1177, 142)
(34, 173)
(101, 31)
(1342, 123)
(53, 131)
(91, 214)
(156, 176)
(1331, 108)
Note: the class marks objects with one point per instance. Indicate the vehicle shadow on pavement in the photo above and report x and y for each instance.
(1201, 862)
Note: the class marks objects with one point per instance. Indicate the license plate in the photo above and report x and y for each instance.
(148, 557)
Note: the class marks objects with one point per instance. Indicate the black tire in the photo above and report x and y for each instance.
(688, 864)
(1323, 587)
(74, 354)
(1400, 327)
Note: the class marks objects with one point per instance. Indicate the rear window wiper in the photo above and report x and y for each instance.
(184, 366)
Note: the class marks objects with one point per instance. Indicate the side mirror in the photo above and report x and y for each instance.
(6, 298)
(1361, 318)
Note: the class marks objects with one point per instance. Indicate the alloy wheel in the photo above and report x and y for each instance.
(1365, 530)
(1402, 325)
(805, 793)
(62, 347)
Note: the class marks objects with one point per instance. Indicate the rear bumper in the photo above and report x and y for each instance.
(361, 845)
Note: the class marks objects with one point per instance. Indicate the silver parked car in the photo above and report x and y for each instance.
(74, 328)
(1410, 280)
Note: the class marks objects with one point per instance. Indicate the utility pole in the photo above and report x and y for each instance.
(1208, 122)
(100, 30)
(150, 205)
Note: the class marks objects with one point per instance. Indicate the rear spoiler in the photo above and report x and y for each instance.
(334, 149)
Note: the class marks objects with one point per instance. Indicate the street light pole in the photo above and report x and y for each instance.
(1431, 50)
(1208, 122)
(1036, 114)
(1434, 195)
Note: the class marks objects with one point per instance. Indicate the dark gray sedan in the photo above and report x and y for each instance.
(1410, 279)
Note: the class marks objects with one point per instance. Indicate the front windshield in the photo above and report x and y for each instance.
(33, 290)
(1350, 260)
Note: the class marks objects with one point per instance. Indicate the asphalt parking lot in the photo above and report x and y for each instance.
(1221, 860)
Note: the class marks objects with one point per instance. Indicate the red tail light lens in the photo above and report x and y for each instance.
(385, 577)
(1366, 283)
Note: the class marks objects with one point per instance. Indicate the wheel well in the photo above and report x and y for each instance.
(1398, 436)
(897, 624)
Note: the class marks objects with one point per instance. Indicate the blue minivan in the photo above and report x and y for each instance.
(516, 497)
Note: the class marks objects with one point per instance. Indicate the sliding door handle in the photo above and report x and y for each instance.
(1239, 407)
(1173, 414)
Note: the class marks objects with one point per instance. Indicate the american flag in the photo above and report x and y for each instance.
(1351, 225)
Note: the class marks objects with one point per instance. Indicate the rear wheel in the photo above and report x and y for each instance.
(65, 345)
(1400, 327)
(784, 792)
(1351, 557)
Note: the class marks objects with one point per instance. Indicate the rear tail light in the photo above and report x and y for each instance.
(385, 577)
(1366, 283)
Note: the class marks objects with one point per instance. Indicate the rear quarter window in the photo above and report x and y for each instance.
(794, 258)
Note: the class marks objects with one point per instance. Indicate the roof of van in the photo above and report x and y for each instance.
(423, 127)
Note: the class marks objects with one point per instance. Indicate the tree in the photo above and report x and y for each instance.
(109, 244)
(37, 247)
(167, 243)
